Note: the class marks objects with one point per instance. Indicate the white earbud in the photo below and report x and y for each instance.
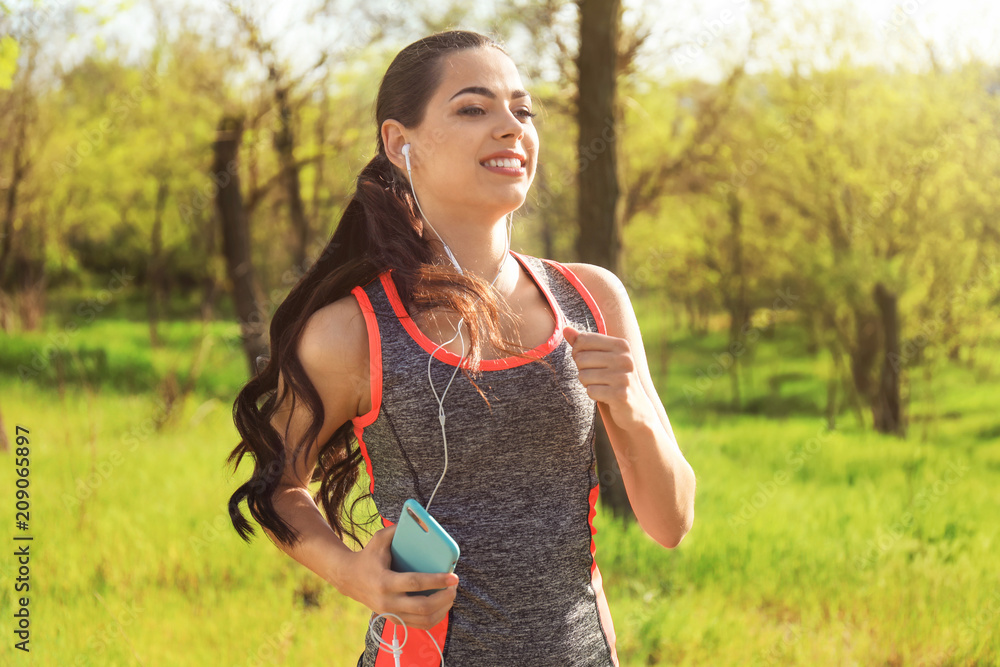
(406, 155)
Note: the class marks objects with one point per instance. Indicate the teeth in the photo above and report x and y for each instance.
(504, 162)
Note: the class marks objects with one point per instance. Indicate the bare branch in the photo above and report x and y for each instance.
(261, 191)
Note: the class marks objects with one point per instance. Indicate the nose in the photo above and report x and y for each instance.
(511, 126)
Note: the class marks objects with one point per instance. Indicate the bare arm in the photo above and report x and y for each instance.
(318, 548)
(658, 479)
(334, 352)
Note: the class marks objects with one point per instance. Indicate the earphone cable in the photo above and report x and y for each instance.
(395, 648)
(440, 400)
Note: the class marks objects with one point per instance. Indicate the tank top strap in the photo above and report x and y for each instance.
(576, 301)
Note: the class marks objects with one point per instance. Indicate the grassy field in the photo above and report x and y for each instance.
(810, 546)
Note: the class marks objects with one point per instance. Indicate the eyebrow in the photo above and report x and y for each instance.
(480, 90)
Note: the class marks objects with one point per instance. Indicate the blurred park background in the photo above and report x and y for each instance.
(801, 198)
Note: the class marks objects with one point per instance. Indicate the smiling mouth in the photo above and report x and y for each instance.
(511, 171)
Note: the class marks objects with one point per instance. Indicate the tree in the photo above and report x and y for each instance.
(599, 239)
(22, 249)
(246, 293)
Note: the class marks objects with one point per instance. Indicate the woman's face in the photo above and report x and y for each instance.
(460, 130)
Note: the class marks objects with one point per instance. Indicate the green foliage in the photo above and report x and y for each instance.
(103, 343)
(9, 50)
(848, 177)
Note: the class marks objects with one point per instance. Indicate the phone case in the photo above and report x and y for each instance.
(420, 544)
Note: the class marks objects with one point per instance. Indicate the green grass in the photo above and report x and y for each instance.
(810, 547)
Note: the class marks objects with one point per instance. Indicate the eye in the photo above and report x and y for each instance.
(467, 110)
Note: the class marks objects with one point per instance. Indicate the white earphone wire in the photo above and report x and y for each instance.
(458, 332)
(395, 647)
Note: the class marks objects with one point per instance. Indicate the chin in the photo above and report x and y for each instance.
(515, 203)
(507, 200)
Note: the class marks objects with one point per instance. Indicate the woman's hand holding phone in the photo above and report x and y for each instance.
(371, 581)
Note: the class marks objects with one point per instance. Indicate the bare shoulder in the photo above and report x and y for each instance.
(333, 349)
(606, 287)
(596, 275)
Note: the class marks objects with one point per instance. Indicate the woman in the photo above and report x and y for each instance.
(364, 352)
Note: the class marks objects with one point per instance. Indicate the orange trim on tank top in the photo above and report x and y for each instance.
(584, 292)
(451, 358)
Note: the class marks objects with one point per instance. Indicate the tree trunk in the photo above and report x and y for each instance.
(692, 318)
(599, 241)
(612, 488)
(284, 143)
(209, 288)
(236, 241)
(10, 211)
(832, 383)
(155, 270)
(886, 402)
(321, 122)
(865, 352)
(814, 332)
(739, 312)
(8, 275)
(28, 273)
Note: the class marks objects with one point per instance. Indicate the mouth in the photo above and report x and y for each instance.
(506, 166)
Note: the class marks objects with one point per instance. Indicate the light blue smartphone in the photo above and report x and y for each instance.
(420, 544)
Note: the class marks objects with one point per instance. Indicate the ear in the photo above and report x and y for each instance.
(393, 140)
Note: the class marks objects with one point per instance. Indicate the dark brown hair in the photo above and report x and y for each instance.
(380, 229)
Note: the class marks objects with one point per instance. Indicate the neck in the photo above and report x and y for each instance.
(479, 249)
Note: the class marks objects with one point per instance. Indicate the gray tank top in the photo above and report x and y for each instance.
(520, 491)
